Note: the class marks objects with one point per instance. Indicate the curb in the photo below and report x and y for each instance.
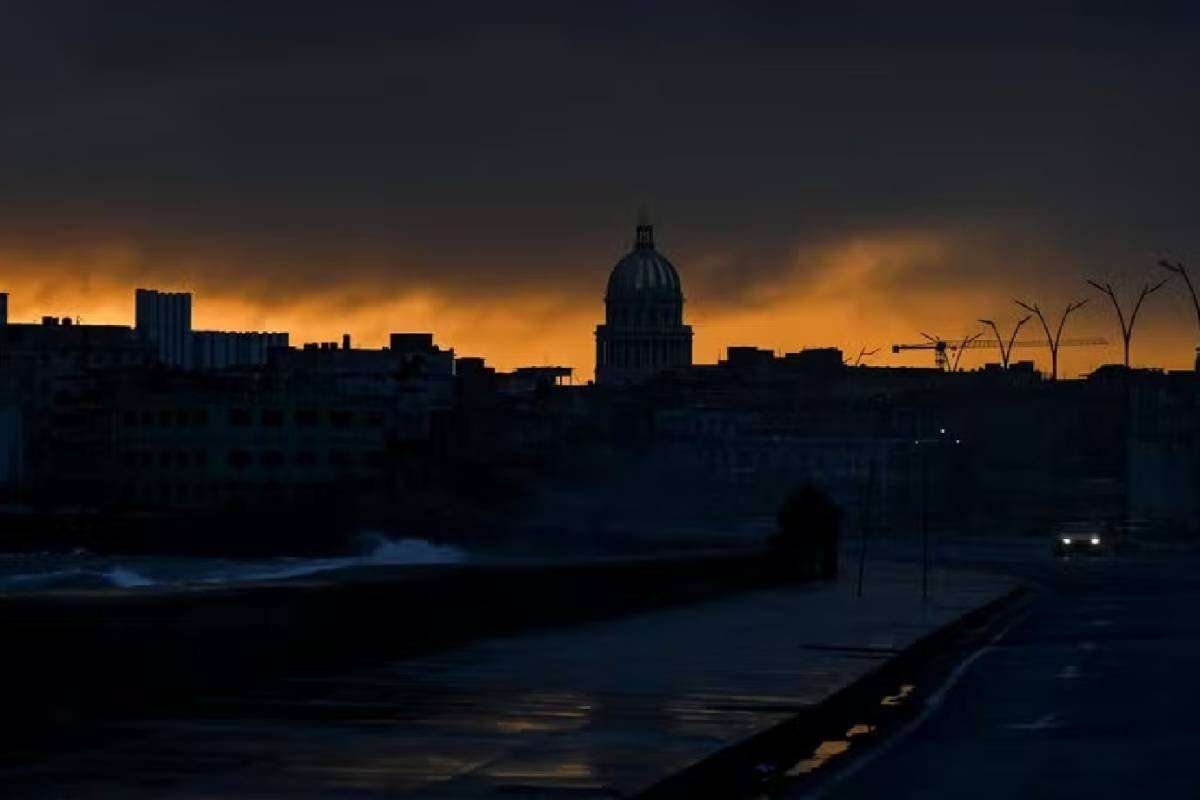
(752, 766)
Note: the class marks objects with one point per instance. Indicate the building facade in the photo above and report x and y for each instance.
(414, 376)
(164, 319)
(643, 332)
(224, 349)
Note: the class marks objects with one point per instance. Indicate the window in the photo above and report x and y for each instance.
(272, 418)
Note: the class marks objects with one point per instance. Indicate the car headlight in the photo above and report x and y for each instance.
(1095, 540)
(1066, 540)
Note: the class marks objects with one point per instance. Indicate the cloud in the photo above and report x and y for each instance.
(844, 179)
(870, 290)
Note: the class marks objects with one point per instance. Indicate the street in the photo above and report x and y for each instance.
(597, 708)
(1091, 693)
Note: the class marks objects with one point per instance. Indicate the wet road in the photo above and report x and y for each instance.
(594, 710)
(1094, 693)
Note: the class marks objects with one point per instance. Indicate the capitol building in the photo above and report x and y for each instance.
(643, 331)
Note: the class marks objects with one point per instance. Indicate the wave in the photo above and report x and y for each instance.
(87, 571)
(383, 552)
(412, 551)
(76, 578)
(127, 578)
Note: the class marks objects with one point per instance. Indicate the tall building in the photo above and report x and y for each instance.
(164, 319)
(643, 331)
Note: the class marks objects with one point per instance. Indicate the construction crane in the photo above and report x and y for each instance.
(942, 349)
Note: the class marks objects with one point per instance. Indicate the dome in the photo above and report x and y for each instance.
(644, 271)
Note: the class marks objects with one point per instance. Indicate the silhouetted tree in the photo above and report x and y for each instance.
(808, 527)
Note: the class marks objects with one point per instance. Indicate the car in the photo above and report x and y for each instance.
(1081, 544)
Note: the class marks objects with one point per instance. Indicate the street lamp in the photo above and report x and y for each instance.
(922, 446)
(868, 493)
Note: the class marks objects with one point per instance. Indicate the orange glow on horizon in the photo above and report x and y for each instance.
(860, 293)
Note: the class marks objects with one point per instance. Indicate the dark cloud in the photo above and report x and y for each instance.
(287, 149)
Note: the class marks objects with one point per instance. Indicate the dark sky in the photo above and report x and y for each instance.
(841, 176)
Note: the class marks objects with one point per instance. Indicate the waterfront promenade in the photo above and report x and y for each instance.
(600, 709)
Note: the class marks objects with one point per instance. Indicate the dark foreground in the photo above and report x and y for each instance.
(75, 660)
(599, 708)
(1091, 693)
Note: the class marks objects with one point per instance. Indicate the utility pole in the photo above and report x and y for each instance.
(1005, 352)
(921, 448)
(1127, 329)
(866, 521)
(1053, 341)
(924, 524)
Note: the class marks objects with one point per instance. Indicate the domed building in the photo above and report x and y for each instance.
(643, 331)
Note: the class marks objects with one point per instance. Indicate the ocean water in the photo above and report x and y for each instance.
(35, 572)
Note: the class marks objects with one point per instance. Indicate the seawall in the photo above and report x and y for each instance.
(75, 658)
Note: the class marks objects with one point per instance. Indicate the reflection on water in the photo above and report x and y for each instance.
(710, 714)
(828, 750)
(391, 773)
(448, 741)
(553, 770)
(405, 772)
(598, 710)
(832, 748)
(824, 752)
(898, 698)
(545, 712)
